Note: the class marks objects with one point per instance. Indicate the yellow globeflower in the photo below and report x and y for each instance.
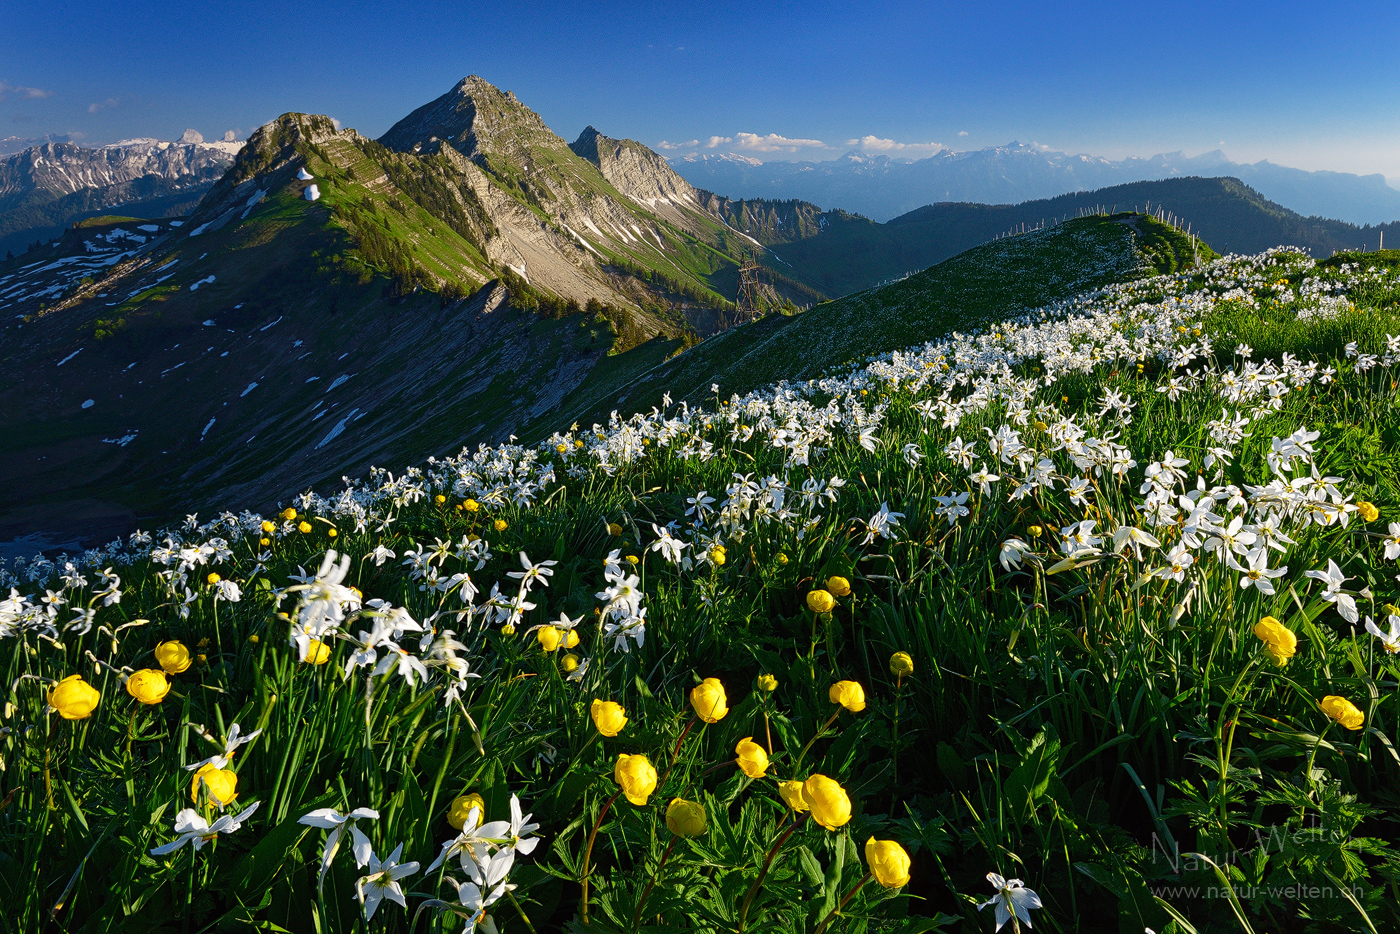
(901, 665)
(1035, 531)
(685, 818)
(614, 529)
(1368, 511)
(782, 558)
(1343, 711)
(74, 698)
(831, 806)
(500, 525)
(888, 863)
(792, 794)
(289, 514)
(439, 499)
(461, 808)
(821, 601)
(221, 784)
(709, 700)
(471, 505)
(570, 638)
(332, 533)
(839, 586)
(264, 542)
(1280, 644)
(637, 777)
(304, 527)
(549, 637)
(753, 758)
(173, 657)
(569, 663)
(608, 716)
(317, 653)
(213, 577)
(848, 694)
(267, 527)
(148, 685)
(718, 555)
(767, 683)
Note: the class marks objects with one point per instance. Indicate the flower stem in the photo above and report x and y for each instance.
(651, 884)
(521, 911)
(802, 755)
(588, 853)
(763, 874)
(844, 902)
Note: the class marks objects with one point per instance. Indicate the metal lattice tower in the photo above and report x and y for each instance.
(748, 308)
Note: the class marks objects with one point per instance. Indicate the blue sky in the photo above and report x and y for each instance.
(1310, 85)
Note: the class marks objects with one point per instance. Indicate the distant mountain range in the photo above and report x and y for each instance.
(882, 188)
(46, 187)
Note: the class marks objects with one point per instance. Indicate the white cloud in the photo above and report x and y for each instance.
(7, 89)
(775, 143)
(95, 106)
(962, 132)
(876, 144)
(665, 144)
(714, 141)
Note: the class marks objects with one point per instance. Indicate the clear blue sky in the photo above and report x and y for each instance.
(1312, 85)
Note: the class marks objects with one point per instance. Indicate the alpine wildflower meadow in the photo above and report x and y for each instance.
(1083, 619)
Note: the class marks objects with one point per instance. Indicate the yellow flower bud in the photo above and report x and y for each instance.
(1036, 531)
(791, 793)
(685, 818)
(821, 601)
(471, 505)
(549, 637)
(253, 638)
(148, 685)
(782, 559)
(173, 657)
(767, 683)
(753, 758)
(267, 527)
(831, 806)
(213, 577)
(507, 630)
(614, 529)
(633, 560)
(289, 514)
(901, 665)
(848, 694)
(569, 663)
(709, 700)
(500, 525)
(608, 716)
(1280, 644)
(838, 586)
(1343, 711)
(1368, 511)
(888, 863)
(221, 784)
(439, 499)
(718, 555)
(304, 527)
(264, 542)
(461, 808)
(331, 533)
(636, 776)
(74, 698)
(317, 653)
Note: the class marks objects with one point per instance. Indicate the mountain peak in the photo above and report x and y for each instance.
(476, 118)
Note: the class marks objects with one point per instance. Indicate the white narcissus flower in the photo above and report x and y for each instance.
(1013, 552)
(1334, 579)
(1012, 899)
(382, 881)
(1128, 535)
(231, 744)
(332, 820)
(1390, 640)
(193, 828)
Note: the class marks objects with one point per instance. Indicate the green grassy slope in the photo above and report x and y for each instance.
(840, 253)
(1083, 725)
(966, 292)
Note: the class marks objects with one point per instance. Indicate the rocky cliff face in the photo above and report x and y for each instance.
(65, 168)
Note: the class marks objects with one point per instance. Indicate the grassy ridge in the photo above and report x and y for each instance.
(1068, 698)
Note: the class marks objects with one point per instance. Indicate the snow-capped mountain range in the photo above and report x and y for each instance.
(882, 187)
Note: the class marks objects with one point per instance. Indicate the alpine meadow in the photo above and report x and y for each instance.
(821, 469)
(1096, 602)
